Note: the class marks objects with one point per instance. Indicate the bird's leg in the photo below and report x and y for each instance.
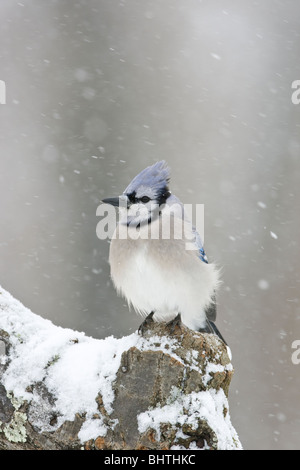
(145, 324)
(173, 323)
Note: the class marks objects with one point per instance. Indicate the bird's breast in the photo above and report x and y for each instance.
(160, 275)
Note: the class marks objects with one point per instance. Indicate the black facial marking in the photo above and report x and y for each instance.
(134, 200)
(163, 195)
(140, 224)
(132, 197)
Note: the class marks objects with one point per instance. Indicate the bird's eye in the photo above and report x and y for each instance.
(145, 199)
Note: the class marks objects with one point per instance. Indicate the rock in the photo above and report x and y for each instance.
(162, 391)
(153, 379)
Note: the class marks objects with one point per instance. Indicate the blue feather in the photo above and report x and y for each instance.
(156, 176)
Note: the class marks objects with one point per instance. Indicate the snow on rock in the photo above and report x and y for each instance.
(71, 365)
(188, 410)
(76, 370)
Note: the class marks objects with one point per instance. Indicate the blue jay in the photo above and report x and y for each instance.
(158, 275)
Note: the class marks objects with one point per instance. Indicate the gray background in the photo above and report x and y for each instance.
(99, 89)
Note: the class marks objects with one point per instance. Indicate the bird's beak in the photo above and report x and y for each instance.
(113, 201)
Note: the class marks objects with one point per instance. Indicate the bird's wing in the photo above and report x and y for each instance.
(199, 245)
(211, 310)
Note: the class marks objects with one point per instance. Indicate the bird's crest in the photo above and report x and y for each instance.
(156, 176)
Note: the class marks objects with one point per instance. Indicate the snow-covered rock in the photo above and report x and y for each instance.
(62, 389)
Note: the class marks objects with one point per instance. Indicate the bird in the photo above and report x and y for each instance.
(157, 259)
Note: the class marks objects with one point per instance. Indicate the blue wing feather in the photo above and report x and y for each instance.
(203, 256)
(199, 244)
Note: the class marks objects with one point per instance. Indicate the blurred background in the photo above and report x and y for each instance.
(96, 90)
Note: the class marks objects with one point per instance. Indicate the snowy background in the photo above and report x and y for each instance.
(96, 91)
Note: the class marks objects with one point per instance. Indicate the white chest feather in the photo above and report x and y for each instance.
(161, 276)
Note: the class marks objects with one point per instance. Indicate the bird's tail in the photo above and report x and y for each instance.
(211, 327)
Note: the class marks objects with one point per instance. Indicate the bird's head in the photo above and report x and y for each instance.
(141, 201)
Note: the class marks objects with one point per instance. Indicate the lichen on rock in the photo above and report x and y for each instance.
(14, 429)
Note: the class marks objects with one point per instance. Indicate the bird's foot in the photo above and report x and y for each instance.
(173, 323)
(146, 323)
